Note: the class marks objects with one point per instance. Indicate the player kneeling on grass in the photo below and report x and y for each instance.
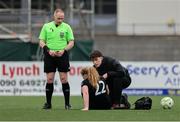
(94, 90)
(116, 76)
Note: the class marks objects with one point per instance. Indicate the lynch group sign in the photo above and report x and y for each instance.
(28, 78)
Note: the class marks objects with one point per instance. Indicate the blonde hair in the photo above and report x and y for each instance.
(92, 75)
(84, 71)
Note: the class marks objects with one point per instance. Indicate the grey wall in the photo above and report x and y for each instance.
(140, 48)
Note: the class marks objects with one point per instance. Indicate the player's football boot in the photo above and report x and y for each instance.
(47, 106)
(68, 107)
(124, 102)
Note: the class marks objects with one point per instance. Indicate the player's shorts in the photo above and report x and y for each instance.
(101, 102)
(52, 64)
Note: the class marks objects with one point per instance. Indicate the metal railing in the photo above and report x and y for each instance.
(149, 29)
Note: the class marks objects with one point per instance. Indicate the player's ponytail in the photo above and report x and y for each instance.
(93, 76)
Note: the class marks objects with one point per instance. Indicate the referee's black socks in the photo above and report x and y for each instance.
(49, 92)
(66, 92)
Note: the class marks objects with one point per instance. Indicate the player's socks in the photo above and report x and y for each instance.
(49, 92)
(66, 92)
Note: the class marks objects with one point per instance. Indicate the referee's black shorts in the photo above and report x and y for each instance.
(51, 64)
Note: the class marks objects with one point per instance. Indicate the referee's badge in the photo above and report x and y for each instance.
(51, 29)
(61, 34)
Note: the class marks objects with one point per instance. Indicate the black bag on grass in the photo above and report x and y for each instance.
(143, 103)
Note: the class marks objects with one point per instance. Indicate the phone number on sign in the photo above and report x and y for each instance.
(36, 82)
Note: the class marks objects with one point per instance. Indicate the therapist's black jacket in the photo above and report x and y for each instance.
(112, 67)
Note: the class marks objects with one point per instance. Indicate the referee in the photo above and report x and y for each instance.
(56, 39)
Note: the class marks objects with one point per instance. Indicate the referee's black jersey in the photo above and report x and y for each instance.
(98, 98)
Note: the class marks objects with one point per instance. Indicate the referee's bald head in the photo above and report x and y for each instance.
(58, 11)
(58, 16)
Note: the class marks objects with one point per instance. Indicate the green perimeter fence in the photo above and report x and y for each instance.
(16, 50)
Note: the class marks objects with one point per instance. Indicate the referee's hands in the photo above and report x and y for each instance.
(52, 53)
(56, 53)
(59, 53)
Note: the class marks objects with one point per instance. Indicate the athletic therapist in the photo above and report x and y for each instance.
(117, 77)
(56, 39)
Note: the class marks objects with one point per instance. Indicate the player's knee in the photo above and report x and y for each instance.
(63, 80)
(50, 80)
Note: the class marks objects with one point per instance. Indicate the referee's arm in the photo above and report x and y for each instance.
(70, 45)
(41, 43)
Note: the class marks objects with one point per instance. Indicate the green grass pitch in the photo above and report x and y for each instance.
(23, 108)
